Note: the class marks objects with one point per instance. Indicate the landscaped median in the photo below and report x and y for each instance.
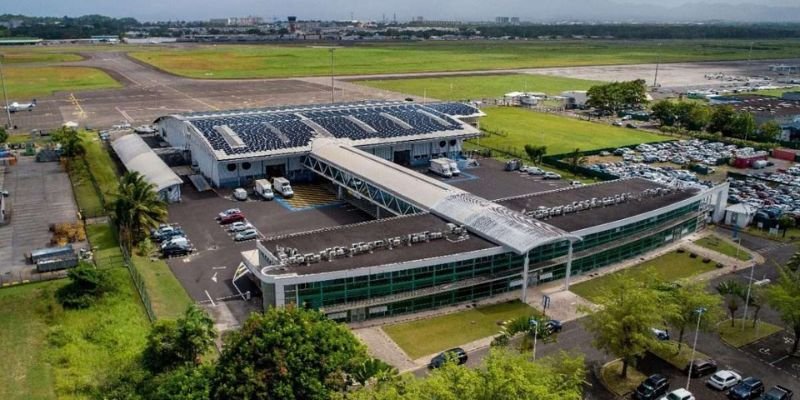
(740, 335)
(611, 378)
(679, 359)
(432, 335)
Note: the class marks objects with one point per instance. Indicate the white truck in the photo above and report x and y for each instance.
(441, 167)
(264, 189)
(453, 167)
(283, 187)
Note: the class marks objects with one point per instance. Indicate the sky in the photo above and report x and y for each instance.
(470, 10)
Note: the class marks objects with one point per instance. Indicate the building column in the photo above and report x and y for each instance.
(525, 278)
(339, 192)
(569, 266)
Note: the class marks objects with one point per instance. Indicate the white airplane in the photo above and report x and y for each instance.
(14, 107)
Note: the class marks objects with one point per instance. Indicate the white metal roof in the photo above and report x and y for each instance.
(483, 217)
(138, 156)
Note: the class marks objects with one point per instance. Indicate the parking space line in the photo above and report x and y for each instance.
(779, 360)
(210, 299)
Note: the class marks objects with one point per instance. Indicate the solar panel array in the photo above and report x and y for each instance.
(264, 130)
(454, 109)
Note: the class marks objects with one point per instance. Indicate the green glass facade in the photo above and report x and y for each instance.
(492, 275)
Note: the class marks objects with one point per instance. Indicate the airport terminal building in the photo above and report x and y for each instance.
(232, 148)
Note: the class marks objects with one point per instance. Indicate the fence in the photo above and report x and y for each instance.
(138, 281)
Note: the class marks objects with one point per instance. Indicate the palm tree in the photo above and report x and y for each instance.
(576, 159)
(374, 369)
(733, 291)
(137, 208)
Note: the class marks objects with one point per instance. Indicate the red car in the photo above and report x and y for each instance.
(231, 218)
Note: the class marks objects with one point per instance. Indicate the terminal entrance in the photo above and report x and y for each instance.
(273, 171)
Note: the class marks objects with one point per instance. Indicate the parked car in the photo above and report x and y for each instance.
(702, 368)
(231, 218)
(175, 251)
(660, 334)
(551, 175)
(239, 226)
(749, 388)
(458, 354)
(229, 212)
(723, 380)
(535, 171)
(240, 194)
(777, 392)
(652, 388)
(553, 326)
(167, 232)
(175, 241)
(246, 234)
(679, 394)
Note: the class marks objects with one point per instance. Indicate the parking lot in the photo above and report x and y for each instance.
(40, 194)
(774, 350)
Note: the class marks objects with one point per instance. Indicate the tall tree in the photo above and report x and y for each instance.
(288, 353)
(769, 131)
(687, 299)
(784, 297)
(785, 222)
(720, 120)
(628, 311)
(175, 343)
(743, 125)
(733, 291)
(576, 159)
(70, 141)
(535, 153)
(3, 135)
(665, 112)
(615, 96)
(137, 208)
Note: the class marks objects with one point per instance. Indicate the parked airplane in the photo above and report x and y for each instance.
(14, 107)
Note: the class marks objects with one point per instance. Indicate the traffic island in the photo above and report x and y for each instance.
(679, 359)
(612, 380)
(740, 336)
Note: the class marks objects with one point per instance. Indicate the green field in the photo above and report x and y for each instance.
(715, 243)
(559, 134)
(775, 92)
(480, 87)
(234, 61)
(22, 57)
(54, 353)
(669, 267)
(432, 335)
(25, 83)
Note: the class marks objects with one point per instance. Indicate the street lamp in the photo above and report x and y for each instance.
(5, 94)
(752, 272)
(333, 83)
(699, 312)
(535, 324)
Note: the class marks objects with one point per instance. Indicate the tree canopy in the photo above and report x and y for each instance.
(175, 343)
(86, 285)
(784, 297)
(289, 353)
(137, 208)
(612, 97)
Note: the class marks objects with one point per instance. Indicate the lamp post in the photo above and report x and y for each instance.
(535, 325)
(750, 281)
(333, 82)
(5, 94)
(699, 312)
(658, 63)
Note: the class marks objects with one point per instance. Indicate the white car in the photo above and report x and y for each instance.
(239, 226)
(679, 394)
(551, 175)
(229, 211)
(724, 379)
(535, 171)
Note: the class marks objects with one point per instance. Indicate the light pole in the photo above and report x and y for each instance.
(658, 62)
(5, 94)
(333, 82)
(535, 325)
(699, 312)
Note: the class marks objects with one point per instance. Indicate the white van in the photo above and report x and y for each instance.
(264, 189)
(283, 187)
(441, 167)
(240, 194)
(454, 167)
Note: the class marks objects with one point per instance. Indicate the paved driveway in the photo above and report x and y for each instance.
(40, 195)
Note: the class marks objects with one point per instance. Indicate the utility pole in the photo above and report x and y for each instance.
(658, 63)
(699, 312)
(5, 94)
(333, 82)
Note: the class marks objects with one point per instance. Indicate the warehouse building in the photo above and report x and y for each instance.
(137, 156)
(442, 245)
(232, 148)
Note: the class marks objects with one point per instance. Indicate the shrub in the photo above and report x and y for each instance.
(706, 260)
(692, 255)
(87, 284)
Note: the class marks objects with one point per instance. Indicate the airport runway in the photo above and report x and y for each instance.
(149, 93)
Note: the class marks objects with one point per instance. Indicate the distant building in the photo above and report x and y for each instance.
(501, 20)
(515, 20)
(292, 23)
(237, 21)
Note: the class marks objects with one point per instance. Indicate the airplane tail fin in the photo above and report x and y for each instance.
(33, 102)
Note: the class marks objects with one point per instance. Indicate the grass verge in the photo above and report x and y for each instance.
(519, 127)
(678, 359)
(432, 335)
(792, 234)
(616, 384)
(85, 194)
(25, 83)
(671, 266)
(24, 57)
(722, 246)
(480, 87)
(101, 165)
(168, 297)
(66, 354)
(738, 337)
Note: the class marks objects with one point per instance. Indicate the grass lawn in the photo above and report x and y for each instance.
(671, 266)
(237, 61)
(53, 353)
(432, 335)
(101, 164)
(775, 92)
(716, 243)
(738, 337)
(610, 376)
(480, 87)
(85, 194)
(22, 57)
(559, 134)
(168, 297)
(25, 83)
(792, 234)
(669, 353)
